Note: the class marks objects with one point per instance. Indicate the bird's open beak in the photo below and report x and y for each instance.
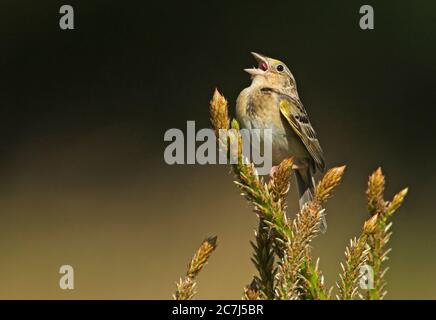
(263, 65)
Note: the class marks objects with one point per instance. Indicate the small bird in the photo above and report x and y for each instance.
(272, 102)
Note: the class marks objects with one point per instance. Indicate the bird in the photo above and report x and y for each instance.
(272, 102)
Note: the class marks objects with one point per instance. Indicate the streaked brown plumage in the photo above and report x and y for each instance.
(272, 102)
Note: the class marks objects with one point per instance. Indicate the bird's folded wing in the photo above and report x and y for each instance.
(295, 114)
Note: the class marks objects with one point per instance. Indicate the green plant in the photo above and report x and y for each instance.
(282, 247)
(186, 287)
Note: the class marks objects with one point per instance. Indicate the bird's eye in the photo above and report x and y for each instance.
(280, 68)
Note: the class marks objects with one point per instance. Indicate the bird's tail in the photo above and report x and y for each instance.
(306, 189)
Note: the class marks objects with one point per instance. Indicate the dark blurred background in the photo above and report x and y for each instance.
(83, 114)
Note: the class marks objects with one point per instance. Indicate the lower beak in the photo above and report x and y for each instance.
(254, 71)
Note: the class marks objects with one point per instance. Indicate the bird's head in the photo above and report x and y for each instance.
(271, 72)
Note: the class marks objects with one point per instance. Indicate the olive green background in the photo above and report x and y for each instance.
(83, 114)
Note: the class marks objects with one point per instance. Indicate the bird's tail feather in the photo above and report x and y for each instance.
(306, 189)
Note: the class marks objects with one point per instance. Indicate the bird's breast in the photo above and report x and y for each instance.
(259, 109)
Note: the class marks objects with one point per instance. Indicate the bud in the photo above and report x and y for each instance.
(235, 124)
(328, 183)
(370, 225)
(219, 112)
(375, 192)
(396, 202)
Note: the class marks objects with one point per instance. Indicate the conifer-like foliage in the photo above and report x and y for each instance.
(282, 255)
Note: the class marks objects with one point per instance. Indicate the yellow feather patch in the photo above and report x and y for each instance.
(285, 108)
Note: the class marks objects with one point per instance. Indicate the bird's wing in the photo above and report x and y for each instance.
(295, 114)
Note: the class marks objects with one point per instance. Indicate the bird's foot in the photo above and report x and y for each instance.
(273, 171)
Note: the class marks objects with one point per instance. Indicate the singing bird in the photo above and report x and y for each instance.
(272, 102)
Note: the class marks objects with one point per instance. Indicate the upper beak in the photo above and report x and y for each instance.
(263, 65)
(259, 57)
